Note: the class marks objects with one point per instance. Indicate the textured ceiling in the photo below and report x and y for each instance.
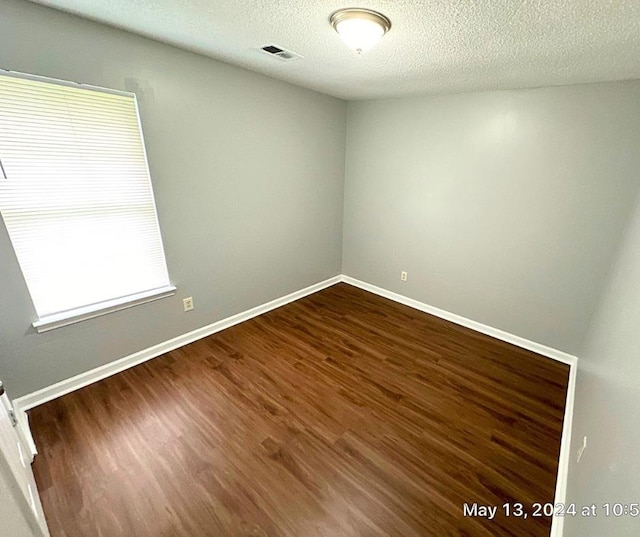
(434, 46)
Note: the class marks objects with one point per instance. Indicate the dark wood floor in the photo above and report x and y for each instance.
(340, 415)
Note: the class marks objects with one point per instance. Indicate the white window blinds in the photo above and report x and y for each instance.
(76, 196)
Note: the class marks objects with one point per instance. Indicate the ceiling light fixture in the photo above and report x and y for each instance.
(360, 29)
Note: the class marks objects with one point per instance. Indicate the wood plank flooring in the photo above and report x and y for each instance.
(340, 415)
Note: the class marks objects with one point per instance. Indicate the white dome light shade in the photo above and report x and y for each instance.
(360, 34)
(360, 29)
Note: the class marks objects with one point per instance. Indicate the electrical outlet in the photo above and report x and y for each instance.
(187, 303)
(403, 276)
(582, 448)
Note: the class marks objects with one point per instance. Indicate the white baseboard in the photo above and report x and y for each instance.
(557, 524)
(518, 341)
(26, 402)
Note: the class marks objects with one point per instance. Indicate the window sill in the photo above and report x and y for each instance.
(57, 320)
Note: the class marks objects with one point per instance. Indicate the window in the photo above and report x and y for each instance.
(76, 198)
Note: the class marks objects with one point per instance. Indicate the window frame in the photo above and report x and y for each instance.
(75, 315)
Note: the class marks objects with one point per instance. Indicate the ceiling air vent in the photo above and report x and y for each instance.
(281, 53)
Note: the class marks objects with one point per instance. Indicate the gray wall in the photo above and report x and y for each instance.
(248, 174)
(607, 405)
(503, 207)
